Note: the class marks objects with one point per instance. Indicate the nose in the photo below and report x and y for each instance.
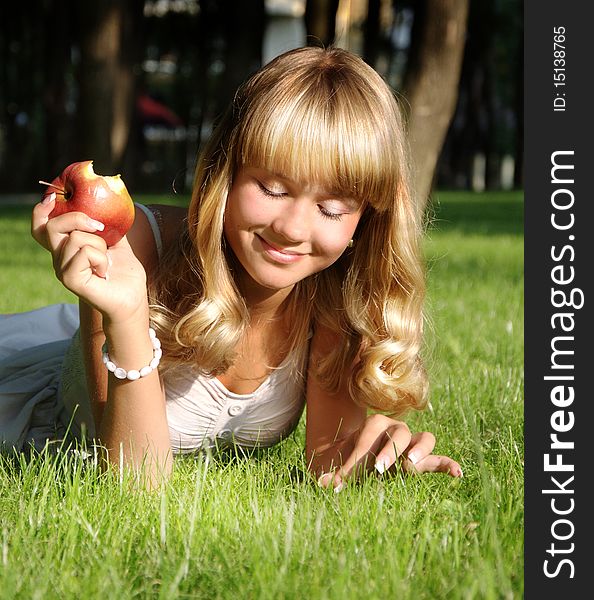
(293, 222)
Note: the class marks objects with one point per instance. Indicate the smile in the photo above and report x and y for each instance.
(278, 255)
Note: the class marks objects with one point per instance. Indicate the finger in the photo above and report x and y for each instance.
(80, 239)
(434, 464)
(326, 479)
(399, 439)
(85, 269)
(378, 434)
(421, 445)
(57, 228)
(40, 217)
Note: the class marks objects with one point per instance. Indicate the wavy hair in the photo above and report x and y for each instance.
(324, 116)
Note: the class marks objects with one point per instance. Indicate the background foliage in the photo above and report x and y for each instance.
(137, 84)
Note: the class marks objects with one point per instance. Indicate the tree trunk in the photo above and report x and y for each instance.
(244, 32)
(320, 21)
(431, 82)
(56, 64)
(106, 80)
(371, 32)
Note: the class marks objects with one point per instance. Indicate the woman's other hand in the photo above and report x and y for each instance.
(380, 445)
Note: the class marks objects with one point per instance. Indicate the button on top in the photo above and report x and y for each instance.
(235, 409)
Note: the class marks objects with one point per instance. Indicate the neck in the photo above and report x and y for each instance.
(264, 304)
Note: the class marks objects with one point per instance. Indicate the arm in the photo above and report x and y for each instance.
(92, 335)
(111, 286)
(332, 420)
(342, 440)
(134, 419)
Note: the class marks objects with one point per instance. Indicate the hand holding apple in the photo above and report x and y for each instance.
(112, 280)
(103, 198)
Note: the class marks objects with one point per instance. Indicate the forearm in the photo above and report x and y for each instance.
(333, 419)
(133, 426)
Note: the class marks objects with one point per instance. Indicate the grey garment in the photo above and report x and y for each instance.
(32, 349)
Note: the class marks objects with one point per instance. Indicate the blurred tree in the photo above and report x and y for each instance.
(431, 82)
(320, 21)
(111, 47)
(485, 139)
(23, 85)
(69, 73)
(56, 98)
(244, 34)
(372, 36)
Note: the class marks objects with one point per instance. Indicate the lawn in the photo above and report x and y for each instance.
(258, 527)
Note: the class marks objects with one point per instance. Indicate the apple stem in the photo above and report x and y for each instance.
(52, 185)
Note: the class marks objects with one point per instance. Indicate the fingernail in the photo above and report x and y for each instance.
(96, 224)
(49, 198)
(413, 457)
(322, 479)
(380, 465)
(460, 474)
(339, 488)
(109, 259)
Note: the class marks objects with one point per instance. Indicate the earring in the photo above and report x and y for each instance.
(351, 243)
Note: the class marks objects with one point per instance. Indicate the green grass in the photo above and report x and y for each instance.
(258, 527)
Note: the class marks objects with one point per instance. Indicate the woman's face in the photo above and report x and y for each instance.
(283, 231)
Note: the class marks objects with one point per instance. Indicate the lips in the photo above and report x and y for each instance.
(278, 254)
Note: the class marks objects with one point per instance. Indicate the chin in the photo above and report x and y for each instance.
(274, 281)
(275, 284)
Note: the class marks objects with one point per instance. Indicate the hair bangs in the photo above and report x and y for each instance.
(329, 138)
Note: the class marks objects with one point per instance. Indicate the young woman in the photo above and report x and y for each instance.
(295, 277)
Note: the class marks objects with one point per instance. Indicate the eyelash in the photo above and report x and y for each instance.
(268, 192)
(325, 213)
(329, 215)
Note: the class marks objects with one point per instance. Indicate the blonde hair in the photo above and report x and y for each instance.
(324, 116)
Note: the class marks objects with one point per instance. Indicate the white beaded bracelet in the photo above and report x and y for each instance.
(134, 374)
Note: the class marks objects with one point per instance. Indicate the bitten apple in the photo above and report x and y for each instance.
(103, 198)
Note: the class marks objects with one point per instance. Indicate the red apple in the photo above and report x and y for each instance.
(103, 198)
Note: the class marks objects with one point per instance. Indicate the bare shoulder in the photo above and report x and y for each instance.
(170, 220)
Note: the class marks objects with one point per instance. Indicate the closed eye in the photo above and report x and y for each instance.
(330, 215)
(269, 192)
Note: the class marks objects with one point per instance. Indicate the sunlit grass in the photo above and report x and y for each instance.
(259, 527)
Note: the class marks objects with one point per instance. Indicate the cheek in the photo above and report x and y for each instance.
(335, 248)
(332, 245)
(243, 213)
(342, 235)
